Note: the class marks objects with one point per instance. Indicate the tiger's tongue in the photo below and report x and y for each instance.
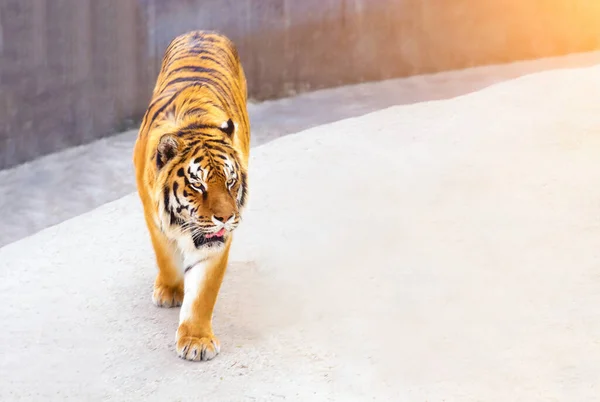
(220, 233)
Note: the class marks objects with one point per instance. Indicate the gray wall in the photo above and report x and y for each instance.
(75, 70)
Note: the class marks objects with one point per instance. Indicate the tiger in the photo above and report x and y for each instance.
(191, 169)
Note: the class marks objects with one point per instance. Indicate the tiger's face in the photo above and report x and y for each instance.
(204, 190)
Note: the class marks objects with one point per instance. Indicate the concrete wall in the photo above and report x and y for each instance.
(75, 70)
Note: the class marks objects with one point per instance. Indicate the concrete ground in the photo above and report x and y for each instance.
(442, 251)
(49, 190)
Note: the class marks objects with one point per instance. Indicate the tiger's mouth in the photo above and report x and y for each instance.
(220, 233)
(210, 239)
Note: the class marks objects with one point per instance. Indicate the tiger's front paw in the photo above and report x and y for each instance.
(167, 296)
(198, 348)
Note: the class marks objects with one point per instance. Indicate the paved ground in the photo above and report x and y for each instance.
(430, 252)
(58, 187)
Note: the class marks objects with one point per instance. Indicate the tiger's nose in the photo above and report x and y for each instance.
(223, 219)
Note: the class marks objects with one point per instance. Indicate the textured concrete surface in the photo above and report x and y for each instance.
(49, 190)
(439, 251)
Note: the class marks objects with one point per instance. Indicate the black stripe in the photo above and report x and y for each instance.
(187, 53)
(230, 57)
(218, 141)
(189, 147)
(207, 37)
(196, 110)
(195, 69)
(175, 187)
(171, 50)
(193, 265)
(166, 197)
(218, 76)
(197, 126)
(215, 148)
(195, 80)
(243, 190)
(162, 108)
(197, 149)
(218, 89)
(216, 61)
(146, 121)
(190, 51)
(173, 219)
(170, 101)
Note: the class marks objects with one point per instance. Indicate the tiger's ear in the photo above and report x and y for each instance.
(166, 150)
(228, 127)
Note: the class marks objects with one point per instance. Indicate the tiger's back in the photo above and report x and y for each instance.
(206, 65)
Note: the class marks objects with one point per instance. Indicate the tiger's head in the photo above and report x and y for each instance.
(201, 185)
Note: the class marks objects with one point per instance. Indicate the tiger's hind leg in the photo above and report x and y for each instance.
(168, 286)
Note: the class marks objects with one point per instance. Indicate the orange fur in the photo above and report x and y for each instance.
(191, 163)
